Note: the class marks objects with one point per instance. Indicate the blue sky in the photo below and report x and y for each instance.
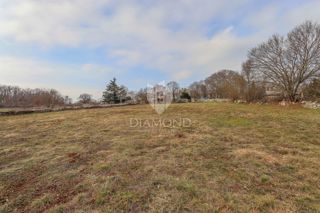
(77, 46)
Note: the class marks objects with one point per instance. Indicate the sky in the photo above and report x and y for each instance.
(77, 46)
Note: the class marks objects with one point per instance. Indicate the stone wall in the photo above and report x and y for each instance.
(311, 105)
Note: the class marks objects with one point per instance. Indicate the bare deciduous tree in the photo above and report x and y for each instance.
(311, 91)
(142, 96)
(247, 72)
(67, 100)
(254, 86)
(174, 88)
(225, 84)
(12, 96)
(85, 98)
(198, 90)
(290, 61)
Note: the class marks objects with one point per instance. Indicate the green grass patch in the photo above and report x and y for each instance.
(227, 122)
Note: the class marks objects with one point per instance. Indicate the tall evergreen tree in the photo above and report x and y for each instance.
(114, 94)
(122, 93)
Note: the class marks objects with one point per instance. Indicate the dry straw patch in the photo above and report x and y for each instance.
(256, 154)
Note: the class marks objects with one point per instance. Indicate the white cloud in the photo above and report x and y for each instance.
(96, 68)
(276, 19)
(170, 36)
(181, 75)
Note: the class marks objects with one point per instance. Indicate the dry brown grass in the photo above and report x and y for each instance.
(256, 155)
(234, 158)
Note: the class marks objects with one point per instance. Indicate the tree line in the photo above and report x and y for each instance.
(13, 96)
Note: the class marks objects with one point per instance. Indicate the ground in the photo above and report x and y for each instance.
(233, 158)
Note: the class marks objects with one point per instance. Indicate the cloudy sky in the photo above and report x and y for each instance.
(77, 46)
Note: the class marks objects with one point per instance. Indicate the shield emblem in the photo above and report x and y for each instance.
(159, 97)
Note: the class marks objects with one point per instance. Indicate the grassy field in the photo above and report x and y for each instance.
(233, 158)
